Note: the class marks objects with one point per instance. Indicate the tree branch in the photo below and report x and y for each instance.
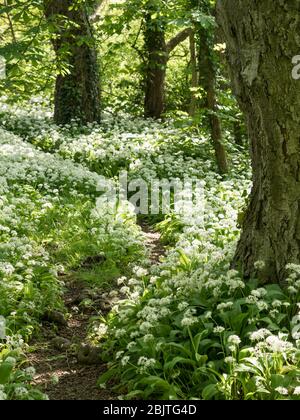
(180, 37)
(11, 26)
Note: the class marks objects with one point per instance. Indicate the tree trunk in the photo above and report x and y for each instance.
(261, 39)
(238, 133)
(156, 50)
(207, 76)
(77, 94)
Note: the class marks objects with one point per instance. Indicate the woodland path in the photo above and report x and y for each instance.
(60, 372)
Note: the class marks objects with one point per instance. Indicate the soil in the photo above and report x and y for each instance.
(58, 372)
(153, 243)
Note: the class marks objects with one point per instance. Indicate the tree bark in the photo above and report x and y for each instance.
(207, 79)
(157, 56)
(77, 94)
(178, 39)
(237, 133)
(261, 39)
(155, 74)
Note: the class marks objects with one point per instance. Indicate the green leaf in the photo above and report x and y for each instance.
(170, 365)
(179, 347)
(210, 391)
(5, 372)
(201, 359)
(107, 376)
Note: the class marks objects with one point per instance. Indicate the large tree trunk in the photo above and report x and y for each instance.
(207, 78)
(77, 94)
(261, 39)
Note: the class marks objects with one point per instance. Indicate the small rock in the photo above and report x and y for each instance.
(105, 305)
(56, 317)
(61, 343)
(89, 355)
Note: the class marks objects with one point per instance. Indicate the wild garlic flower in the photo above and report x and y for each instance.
(21, 391)
(277, 345)
(260, 334)
(224, 305)
(282, 390)
(297, 390)
(234, 340)
(3, 396)
(125, 360)
(182, 306)
(218, 330)
(145, 362)
(119, 354)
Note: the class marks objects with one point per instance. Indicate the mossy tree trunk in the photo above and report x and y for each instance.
(77, 91)
(262, 37)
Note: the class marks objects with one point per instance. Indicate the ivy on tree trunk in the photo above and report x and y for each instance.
(77, 91)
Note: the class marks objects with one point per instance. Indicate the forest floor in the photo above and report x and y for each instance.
(64, 370)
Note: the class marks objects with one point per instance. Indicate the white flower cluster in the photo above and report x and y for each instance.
(34, 184)
(36, 188)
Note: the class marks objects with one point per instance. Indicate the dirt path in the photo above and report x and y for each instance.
(59, 373)
(54, 354)
(153, 243)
